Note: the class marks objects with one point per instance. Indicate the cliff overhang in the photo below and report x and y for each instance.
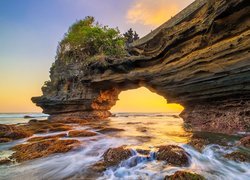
(199, 59)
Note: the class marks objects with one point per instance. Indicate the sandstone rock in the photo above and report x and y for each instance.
(5, 161)
(4, 140)
(183, 175)
(41, 138)
(98, 167)
(114, 156)
(198, 143)
(29, 151)
(245, 142)
(109, 130)
(45, 126)
(143, 151)
(238, 156)
(173, 155)
(199, 59)
(12, 132)
(81, 133)
(27, 116)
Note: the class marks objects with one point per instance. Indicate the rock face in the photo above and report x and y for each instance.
(199, 59)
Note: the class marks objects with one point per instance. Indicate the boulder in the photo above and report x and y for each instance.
(41, 138)
(113, 156)
(245, 142)
(238, 156)
(81, 133)
(110, 130)
(29, 151)
(173, 155)
(184, 175)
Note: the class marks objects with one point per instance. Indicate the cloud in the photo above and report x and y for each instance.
(152, 12)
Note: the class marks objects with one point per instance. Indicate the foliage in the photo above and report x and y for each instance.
(131, 36)
(92, 39)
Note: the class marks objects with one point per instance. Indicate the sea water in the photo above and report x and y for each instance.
(141, 131)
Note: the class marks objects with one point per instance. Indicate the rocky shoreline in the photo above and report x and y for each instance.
(34, 146)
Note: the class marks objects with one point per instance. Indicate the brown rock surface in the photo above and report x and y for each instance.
(29, 151)
(173, 155)
(12, 132)
(109, 130)
(199, 59)
(5, 161)
(114, 156)
(41, 138)
(81, 133)
(245, 141)
(184, 175)
(238, 156)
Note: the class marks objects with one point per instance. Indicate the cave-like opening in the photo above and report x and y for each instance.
(143, 100)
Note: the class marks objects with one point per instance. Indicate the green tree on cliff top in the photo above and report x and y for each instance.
(94, 39)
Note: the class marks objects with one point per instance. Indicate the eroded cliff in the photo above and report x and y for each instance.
(199, 59)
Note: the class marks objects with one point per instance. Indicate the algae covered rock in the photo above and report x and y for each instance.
(81, 133)
(238, 156)
(173, 155)
(29, 151)
(183, 175)
(113, 156)
(245, 142)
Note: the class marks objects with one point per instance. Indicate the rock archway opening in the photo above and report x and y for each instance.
(143, 100)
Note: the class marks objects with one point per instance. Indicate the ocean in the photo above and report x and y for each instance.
(140, 131)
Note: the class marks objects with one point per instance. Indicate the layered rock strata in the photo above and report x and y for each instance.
(199, 59)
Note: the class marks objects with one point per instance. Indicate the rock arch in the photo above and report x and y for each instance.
(199, 59)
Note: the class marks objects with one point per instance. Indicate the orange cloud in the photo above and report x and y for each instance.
(152, 13)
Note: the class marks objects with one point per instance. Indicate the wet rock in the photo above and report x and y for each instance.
(198, 143)
(45, 126)
(245, 142)
(70, 121)
(141, 129)
(183, 175)
(238, 156)
(98, 167)
(4, 140)
(41, 138)
(33, 121)
(175, 116)
(12, 132)
(110, 130)
(173, 155)
(5, 161)
(29, 151)
(113, 156)
(134, 123)
(143, 151)
(27, 116)
(81, 133)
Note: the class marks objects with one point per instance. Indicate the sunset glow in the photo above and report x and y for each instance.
(31, 30)
(143, 100)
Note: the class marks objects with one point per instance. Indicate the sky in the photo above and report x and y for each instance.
(31, 29)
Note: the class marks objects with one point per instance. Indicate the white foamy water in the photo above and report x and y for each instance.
(140, 131)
